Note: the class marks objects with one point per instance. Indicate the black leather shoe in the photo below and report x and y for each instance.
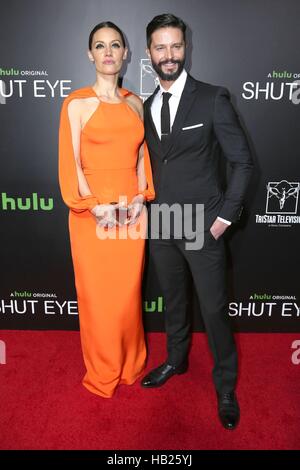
(161, 374)
(228, 409)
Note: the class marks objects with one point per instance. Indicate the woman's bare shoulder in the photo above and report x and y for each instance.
(136, 102)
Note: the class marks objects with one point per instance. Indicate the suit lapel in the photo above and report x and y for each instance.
(185, 104)
(149, 119)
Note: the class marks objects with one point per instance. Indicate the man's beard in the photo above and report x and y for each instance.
(169, 77)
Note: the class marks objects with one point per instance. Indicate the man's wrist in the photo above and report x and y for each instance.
(227, 222)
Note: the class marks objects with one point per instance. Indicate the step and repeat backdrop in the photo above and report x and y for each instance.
(250, 47)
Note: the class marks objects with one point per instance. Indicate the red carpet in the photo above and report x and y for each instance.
(44, 406)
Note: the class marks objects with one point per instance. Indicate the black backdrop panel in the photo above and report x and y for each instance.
(249, 47)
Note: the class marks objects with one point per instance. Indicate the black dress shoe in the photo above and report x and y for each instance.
(229, 411)
(161, 374)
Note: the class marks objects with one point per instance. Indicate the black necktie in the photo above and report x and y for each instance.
(165, 118)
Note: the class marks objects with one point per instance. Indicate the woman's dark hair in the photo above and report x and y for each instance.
(105, 24)
(164, 21)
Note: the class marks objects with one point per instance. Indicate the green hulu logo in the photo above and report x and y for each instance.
(34, 203)
(154, 306)
(10, 71)
(284, 74)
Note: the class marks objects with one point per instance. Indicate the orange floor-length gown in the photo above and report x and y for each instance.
(108, 271)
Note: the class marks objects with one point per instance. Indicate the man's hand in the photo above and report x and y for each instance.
(218, 228)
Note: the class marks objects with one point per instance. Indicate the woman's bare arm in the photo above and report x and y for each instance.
(74, 111)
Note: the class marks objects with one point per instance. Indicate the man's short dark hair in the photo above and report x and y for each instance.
(164, 21)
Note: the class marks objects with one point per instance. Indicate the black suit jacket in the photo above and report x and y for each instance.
(187, 171)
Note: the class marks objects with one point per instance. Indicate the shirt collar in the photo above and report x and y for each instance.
(177, 87)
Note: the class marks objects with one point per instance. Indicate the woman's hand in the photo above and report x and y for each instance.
(135, 208)
(106, 215)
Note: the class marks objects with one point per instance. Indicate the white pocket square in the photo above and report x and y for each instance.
(192, 127)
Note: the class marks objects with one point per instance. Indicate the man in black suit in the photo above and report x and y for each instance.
(189, 125)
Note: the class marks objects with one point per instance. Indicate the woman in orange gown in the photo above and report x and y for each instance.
(103, 159)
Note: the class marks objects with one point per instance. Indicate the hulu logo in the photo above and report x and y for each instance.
(284, 74)
(260, 297)
(34, 203)
(154, 306)
(21, 294)
(10, 71)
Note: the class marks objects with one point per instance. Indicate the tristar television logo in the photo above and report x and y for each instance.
(281, 204)
(282, 198)
(148, 79)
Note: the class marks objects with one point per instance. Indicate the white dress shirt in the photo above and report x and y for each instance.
(176, 90)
